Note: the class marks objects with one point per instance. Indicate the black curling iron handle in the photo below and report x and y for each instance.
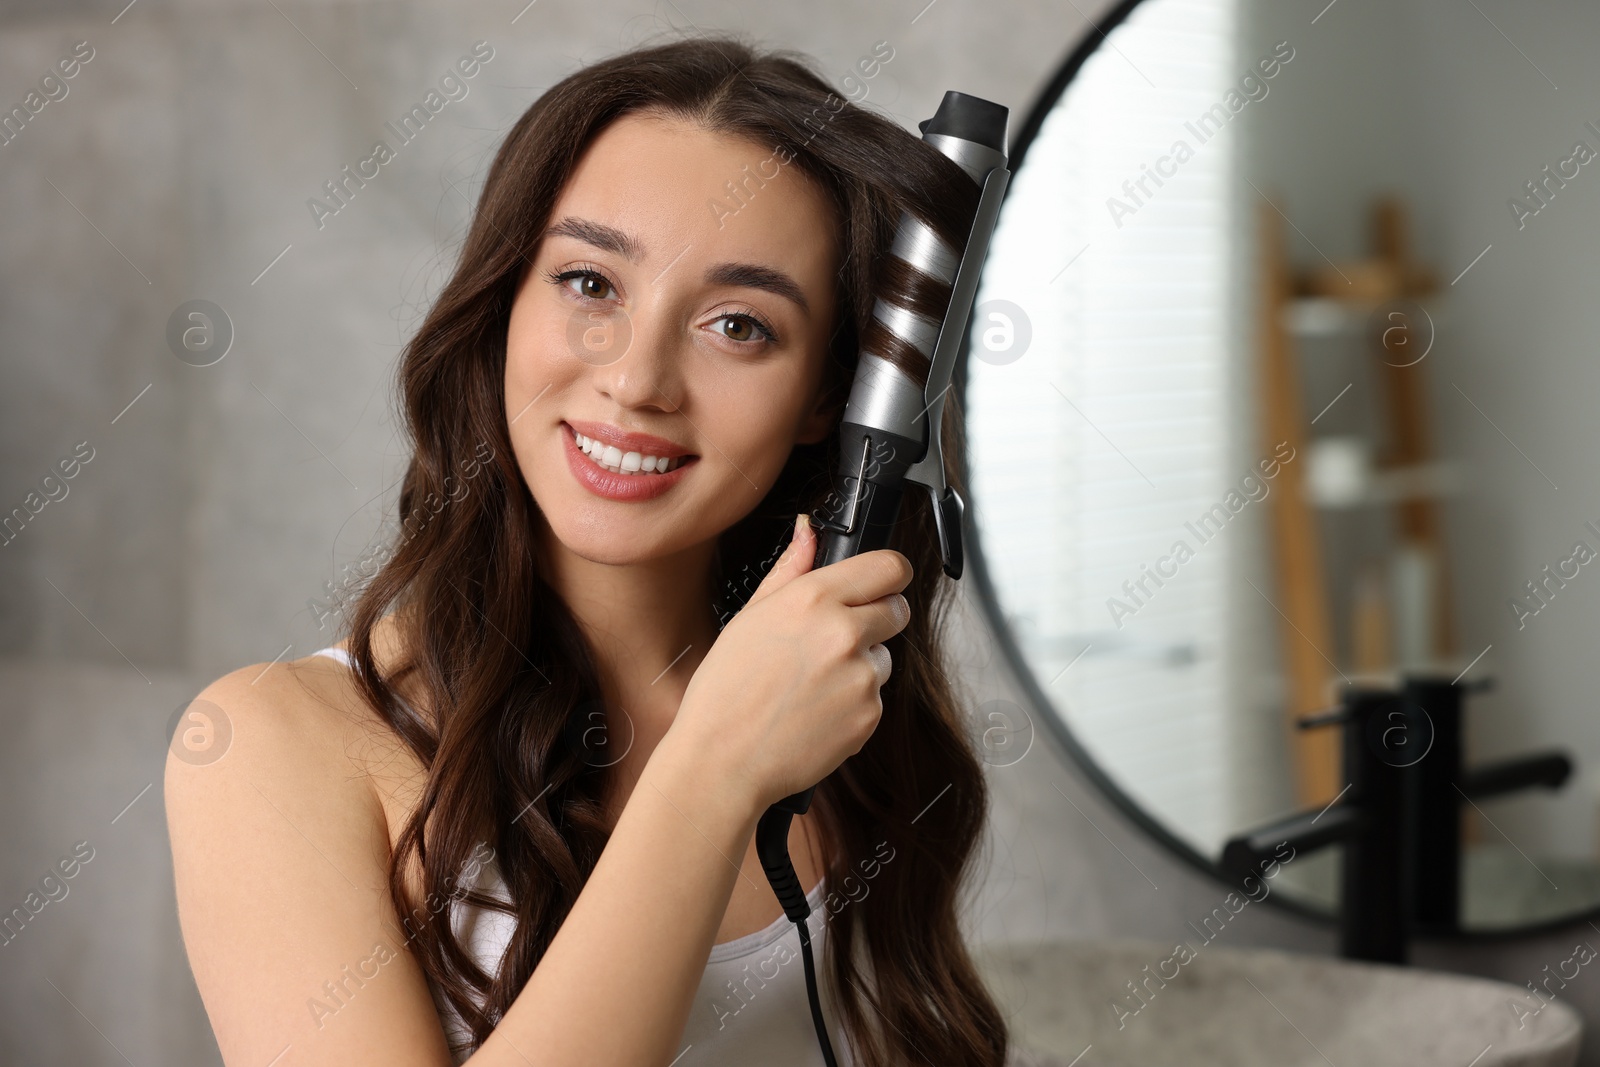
(879, 509)
(772, 845)
(796, 803)
(800, 803)
(772, 832)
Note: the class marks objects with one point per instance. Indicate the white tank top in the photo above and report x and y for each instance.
(751, 1006)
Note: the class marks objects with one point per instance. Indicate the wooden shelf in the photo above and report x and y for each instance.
(1437, 480)
(1324, 316)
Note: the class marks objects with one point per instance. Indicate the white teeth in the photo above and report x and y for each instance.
(617, 461)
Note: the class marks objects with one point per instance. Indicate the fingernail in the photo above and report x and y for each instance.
(794, 539)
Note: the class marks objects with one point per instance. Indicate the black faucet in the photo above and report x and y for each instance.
(1441, 784)
(1399, 815)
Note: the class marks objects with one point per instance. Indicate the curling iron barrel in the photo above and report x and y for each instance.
(890, 430)
(889, 434)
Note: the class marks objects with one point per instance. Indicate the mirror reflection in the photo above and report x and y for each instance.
(1279, 452)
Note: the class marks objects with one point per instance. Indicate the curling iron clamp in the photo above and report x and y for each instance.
(890, 433)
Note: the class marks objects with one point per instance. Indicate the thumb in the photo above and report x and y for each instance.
(795, 561)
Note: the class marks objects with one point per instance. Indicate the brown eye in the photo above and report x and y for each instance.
(746, 330)
(592, 284)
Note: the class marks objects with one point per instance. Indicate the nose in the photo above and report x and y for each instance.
(636, 359)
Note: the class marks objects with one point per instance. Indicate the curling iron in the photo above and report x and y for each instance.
(890, 431)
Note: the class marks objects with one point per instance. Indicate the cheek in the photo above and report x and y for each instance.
(536, 378)
(539, 372)
(751, 420)
(531, 339)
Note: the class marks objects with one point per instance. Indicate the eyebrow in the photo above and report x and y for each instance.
(744, 275)
(755, 276)
(599, 235)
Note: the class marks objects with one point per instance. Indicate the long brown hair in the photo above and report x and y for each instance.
(501, 659)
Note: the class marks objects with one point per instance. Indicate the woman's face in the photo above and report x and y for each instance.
(660, 305)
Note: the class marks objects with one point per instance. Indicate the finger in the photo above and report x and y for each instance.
(862, 579)
(795, 561)
(883, 618)
(882, 662)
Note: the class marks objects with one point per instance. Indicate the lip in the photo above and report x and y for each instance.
(628, 441)
(623, 487)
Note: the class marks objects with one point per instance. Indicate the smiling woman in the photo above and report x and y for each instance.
(542, 669)
(717, 314)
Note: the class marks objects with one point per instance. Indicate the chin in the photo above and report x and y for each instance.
(619, 534)
(599, 538)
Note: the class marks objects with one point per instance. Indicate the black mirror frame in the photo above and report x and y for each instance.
(989, 601)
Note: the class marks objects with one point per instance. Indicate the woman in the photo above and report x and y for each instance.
(527, 782)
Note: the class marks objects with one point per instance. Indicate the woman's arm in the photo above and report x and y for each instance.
(616, 983)
(280, 851)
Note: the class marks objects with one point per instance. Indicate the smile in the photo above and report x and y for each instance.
(617, 461)
(609, 472)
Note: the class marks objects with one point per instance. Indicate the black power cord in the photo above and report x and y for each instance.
(772, 845)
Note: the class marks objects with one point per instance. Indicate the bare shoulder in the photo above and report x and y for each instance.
(303, 723)
(280, 851)
(289, 720)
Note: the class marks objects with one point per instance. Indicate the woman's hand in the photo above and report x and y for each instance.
(790, 688)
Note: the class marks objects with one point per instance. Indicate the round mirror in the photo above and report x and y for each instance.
(1279, 446)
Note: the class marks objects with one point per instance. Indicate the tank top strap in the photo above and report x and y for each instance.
(335, 652)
